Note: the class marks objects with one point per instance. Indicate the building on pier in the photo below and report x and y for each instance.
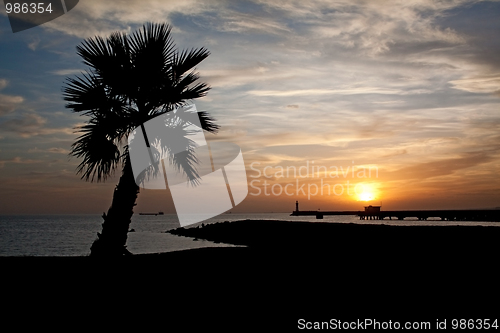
(372, 209)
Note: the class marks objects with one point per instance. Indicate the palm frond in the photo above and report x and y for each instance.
(206, 121)
(185, 162)
(132, 79)
(100, 154)
(153, 39)
(150, 172)
(95, 52)
(194, 92)
(151, 49)
(84, 94)
(172, 138)
(187, 60)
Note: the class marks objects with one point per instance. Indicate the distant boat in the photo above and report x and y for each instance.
(159, 213)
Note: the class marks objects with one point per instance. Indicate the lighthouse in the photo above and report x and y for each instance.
(297, 206)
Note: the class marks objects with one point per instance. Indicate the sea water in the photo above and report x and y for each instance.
(72, 235)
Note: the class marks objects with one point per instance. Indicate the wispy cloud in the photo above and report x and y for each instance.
(247, 23)
(33, 44)
(8, 103)
(66, 72)
(53, 150)
(18, 160)
(480, 84)
(29, 124)
(91, 18)
(439, 168)
(312, 92)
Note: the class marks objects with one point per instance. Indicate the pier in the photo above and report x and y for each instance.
(375, 213)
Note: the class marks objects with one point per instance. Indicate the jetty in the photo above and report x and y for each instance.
(375, 213)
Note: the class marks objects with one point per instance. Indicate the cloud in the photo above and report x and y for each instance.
(378, 82)
(18, 160)
(236, 76)
(8, 103)
(26, 126)
(394, 153)
(479, 84)
(33, 44)
(91, 18)
(305, 35)
(54, 150)
(29, 125)
(440, 168)
(247, 23)
(312, 92)
(65, 72)
(371, 26)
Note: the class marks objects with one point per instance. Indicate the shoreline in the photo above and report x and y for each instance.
(286, 271)
(273, 235)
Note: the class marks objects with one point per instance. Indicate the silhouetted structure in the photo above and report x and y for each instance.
(372, 209)
(375, 213)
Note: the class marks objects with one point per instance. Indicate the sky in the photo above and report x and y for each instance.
(336, 104)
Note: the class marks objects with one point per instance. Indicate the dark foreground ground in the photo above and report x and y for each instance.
(287, 271)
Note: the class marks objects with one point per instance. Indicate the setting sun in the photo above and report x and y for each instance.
(366, 196)
(366, 192)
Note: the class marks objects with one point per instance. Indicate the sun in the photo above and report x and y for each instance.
(366, 196)
(366, 192)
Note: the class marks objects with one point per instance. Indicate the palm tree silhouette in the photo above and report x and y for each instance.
(131, 79)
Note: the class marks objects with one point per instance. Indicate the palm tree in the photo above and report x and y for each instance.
(131, 79)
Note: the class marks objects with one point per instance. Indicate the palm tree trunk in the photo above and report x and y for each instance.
(111, 242)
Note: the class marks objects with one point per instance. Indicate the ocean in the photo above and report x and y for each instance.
(72, 235)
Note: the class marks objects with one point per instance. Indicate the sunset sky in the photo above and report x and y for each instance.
(406, 90)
